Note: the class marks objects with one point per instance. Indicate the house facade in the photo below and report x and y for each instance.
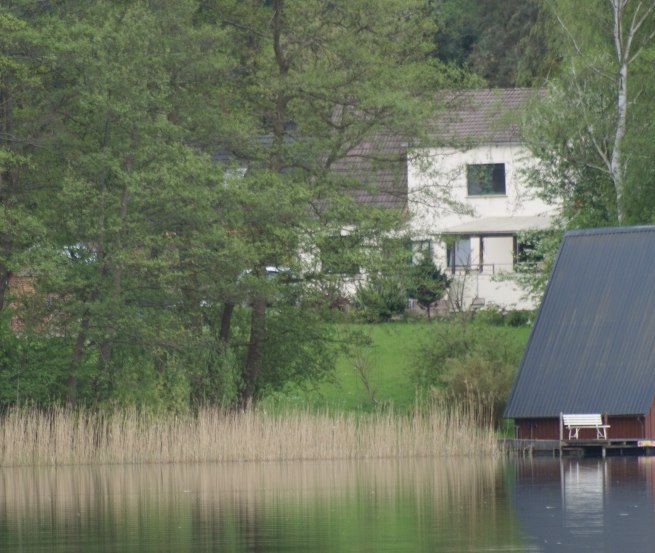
(469, 202)
(464, 196)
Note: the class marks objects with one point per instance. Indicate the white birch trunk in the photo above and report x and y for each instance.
(616, 161)
(623, 43)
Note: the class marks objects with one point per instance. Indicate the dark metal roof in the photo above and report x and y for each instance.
(592, 348)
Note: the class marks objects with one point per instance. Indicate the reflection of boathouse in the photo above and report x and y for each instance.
(592, 348)
(577, 505)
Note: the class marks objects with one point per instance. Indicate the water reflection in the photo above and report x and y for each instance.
(433, 505)
(587, 504)
(583, 490)
(428, 505)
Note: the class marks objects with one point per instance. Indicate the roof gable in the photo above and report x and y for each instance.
(592, 348)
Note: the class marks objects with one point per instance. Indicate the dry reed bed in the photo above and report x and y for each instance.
(63, 436)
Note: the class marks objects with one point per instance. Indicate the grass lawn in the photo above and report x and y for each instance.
(389, 365)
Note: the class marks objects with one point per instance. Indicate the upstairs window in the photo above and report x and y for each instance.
(486, 179)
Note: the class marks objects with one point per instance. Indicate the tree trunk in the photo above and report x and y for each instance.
(4, 284)
(622, 52)
(255, 356)
(76, 362)
(8, 184)
(107, 346)
(226, 322)
(623, 42)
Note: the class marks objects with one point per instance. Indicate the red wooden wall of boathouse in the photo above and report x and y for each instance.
(621, 427)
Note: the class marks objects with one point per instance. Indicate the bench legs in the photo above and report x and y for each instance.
(601, 432)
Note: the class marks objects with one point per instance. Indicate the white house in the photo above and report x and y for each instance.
(464, 196)
(468, 200)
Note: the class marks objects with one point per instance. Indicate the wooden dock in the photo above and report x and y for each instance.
(579, 448)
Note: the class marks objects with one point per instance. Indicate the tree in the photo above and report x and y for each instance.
(427, 283)
(192, 152)
(136, 203)
(470, 361)
(589, 117)
(122, 157)
(502, 41)
(315, 80)
(22, 59)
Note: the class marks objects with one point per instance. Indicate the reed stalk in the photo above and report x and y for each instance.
(63, 436)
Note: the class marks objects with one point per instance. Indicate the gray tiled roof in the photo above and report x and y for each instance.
(484, 115)
(592, 348)
(379, 165)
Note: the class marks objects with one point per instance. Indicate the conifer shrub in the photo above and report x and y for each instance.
(380, 299)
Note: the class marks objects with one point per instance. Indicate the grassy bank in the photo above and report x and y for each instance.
(388, 364)
(64, 437)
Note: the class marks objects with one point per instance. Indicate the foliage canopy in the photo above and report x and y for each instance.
(162, 167)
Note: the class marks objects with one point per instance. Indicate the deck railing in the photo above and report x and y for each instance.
(495, 268)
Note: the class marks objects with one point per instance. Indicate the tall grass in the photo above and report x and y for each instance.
(63, 437)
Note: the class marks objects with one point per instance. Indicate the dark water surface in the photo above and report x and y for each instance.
(587, 505)
(425, 505)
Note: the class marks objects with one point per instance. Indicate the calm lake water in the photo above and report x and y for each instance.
(428, 505)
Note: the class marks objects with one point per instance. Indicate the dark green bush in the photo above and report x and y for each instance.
(33, 367)
(499, 317)
(491, 316)
(380, 299)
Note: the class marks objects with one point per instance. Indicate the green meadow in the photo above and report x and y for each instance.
(381, 374)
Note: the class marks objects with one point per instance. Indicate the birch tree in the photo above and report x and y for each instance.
(581, 129)
(629, 18)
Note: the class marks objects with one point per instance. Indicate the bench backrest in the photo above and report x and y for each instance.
(582, 420)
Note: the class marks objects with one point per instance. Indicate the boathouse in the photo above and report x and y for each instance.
(592, 346)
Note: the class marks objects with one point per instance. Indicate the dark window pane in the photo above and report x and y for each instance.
(459, 253)
(486, 179)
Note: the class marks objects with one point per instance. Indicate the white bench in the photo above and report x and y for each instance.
(575, 423)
